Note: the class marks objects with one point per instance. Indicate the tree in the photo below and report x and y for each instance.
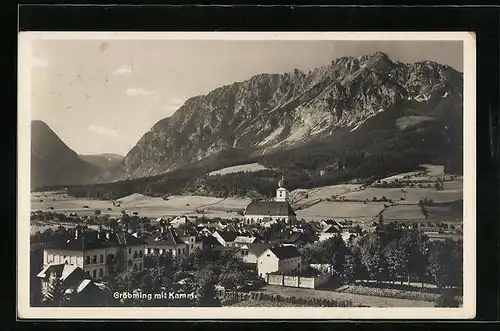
(54, 293)
(205, 280)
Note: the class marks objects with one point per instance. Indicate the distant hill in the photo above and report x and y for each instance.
(105, 161)
(53, 162)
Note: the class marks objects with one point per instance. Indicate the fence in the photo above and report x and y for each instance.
(298, 281)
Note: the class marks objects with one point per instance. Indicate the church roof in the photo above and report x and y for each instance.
(270, 208)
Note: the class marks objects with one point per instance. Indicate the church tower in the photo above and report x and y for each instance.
(281, 192)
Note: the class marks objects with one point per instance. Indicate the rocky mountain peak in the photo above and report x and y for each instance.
(269, 112)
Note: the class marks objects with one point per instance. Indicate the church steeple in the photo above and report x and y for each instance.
(281, 192)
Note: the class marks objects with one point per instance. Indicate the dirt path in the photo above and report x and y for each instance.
(366, 300)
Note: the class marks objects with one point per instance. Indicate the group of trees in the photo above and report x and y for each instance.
(203, 271)
(390, 253)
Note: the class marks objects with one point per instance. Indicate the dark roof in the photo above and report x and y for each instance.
(168, 238)
(270, 208)
(332, 229)
(285, 252)
(258, 248)
(229, 236)
(210, 241)
(89, 239)
(186, 232)
(294, 237)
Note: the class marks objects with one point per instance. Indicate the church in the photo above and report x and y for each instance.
(266, 211)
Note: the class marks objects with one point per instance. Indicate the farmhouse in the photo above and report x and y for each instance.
(282, 259)
(268, 211)
(100, 254)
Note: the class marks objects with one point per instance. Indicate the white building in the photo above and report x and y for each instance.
(283, 259)
(100, 254)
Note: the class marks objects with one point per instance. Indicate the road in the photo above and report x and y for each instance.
(365, 300)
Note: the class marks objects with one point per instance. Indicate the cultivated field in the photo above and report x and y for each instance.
(251, 167)
(144, 205)
(403, 213)
(342, 210)
(310, 204)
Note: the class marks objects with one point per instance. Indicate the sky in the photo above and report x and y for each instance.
(101, 96)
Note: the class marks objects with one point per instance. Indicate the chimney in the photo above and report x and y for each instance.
(76, 233)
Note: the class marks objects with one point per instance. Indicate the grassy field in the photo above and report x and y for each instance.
(144, 205)
(403, 213)
(342, 210)
(365, 300)
(309, 204)
(251, 167)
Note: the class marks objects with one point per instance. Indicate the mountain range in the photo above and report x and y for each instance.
(367, 104)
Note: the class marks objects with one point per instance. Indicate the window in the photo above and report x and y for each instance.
(101, 258)
(94, 259)
(183, 250)
(50, 258)
(192, 239)
(130, 250)
(135, 267)
(101, 273)
(157, 251)
(135, 254)
(191, 246)
(179, 251)
(87, 260)
(94, 273)
(268, 255)
(140, 266)
(170, 250)
(140, 253)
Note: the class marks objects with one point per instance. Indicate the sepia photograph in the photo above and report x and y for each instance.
(246, 175)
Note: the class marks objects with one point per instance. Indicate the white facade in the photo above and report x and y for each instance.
(97, 262)
(268, 262)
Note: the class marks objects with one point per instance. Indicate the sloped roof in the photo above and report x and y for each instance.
(228, 236)
(269, 208)
(244, 239)
(331, 229)
(62, 271)
(285, 252)
(210, 241)
(89, 239)
(294, 237)
(258, 248)
(167, 238)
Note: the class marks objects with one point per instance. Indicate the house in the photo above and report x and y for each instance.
(191, 239)
(282, 259)
(178, 221)
(99, 253)
(295, 239)
(166, 241)
(240, 241)
(250, 253)
(327, 223)
(226, 238)
(271, 211)
(210, 242)
(75, 281)
(328, 232)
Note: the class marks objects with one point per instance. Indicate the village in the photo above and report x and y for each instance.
(268, 255)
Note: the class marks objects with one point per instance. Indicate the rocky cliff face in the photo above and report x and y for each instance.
(269, 112)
